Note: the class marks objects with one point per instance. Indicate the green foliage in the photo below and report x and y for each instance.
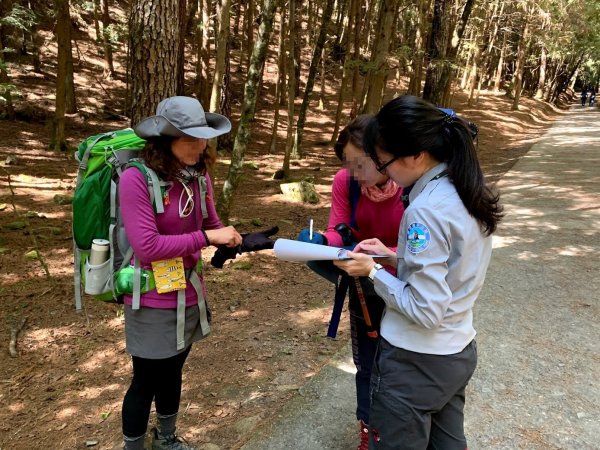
(19, 18)
(8, 90)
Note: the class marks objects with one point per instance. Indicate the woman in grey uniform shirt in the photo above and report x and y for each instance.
(427, 353)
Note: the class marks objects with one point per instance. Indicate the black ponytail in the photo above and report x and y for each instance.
(407, 125)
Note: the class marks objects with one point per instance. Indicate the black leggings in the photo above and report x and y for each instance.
(158, 379)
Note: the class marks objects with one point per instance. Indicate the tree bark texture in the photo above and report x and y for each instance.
(153, 54)
(455, 37)
(387, 12)
(345, 68)
(63, 36)
(279, 87)
(289, 142)
(223, 37)
(109, 67)
(520, 67)
(242, 137)
(436, 52)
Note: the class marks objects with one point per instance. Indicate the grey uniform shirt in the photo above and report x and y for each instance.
(443, 256)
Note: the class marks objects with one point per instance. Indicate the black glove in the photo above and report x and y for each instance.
(253, 242)
(224, 253)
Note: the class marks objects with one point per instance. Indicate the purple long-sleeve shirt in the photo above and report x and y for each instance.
(155, 237)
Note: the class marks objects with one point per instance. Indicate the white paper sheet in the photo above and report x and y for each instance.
(296, 251)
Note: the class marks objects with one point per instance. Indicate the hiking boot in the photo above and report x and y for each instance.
(169, 442)
(364, 436)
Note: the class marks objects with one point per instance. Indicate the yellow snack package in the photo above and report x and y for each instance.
(169, 275)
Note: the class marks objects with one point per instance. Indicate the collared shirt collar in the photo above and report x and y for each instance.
(426, 178)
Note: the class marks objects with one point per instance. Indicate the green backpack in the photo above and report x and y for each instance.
(96, 215)
(102, 158)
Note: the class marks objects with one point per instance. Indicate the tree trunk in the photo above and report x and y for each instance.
(36, 42)
(345, 70)
(204, 49)
(298, 46)
(414, 85)
(500, 66)
(523, 44)
(289, 142)
(448, 72)
(70, 99)
(310, 81)
(63, 38)
(109, 67)
(436, 52)
(153, 54)
(387, 12)
(542, 78)
(249, 30)
(221, 45)
(242, 137)
(356, 61)
(97, 14)
(225, 141)
(279, 86)
(323, 80)
(180, 69)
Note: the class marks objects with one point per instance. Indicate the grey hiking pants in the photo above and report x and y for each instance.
(417, 400)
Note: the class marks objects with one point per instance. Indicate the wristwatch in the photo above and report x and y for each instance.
(374, 270)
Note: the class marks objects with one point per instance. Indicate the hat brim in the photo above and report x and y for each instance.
(156, 126)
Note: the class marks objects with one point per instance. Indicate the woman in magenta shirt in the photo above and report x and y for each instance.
(371, 205)
(161, 327)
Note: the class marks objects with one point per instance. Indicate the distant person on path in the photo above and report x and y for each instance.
(592, 97)
(584, 95)
(427, 352)
(370, 203)
(159, 335)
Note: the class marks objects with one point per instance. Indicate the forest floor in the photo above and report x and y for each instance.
(66, 385)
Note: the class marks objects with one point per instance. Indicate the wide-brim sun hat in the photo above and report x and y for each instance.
(181, 116)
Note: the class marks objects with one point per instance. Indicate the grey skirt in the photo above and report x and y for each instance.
(151, 332)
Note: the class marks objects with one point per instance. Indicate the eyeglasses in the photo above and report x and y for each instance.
(188, 207)
(381, 168)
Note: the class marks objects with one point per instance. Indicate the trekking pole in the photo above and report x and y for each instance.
(371, 332)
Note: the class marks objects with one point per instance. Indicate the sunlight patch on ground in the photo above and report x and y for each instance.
(503, 241)
(66, 413)
(304, 318)
(581, 250)
(527, 256)
(91, 393)
(16, 407)
(346, 366)
(100, 359)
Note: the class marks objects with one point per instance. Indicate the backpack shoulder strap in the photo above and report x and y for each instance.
(154, 184)
(353, 196)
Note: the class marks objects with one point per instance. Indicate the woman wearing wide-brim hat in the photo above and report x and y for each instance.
(161, 327)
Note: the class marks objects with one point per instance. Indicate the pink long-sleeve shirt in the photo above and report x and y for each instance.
(374, 219)
(155, 237)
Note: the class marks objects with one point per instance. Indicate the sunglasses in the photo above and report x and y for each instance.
(188, 206)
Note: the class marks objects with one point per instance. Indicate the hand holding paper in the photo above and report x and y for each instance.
(296, 251)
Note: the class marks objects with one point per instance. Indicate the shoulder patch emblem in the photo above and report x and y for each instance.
(417, 238)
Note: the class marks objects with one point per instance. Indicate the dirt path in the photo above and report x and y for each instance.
(536, 386)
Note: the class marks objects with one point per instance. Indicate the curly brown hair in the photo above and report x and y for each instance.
(158, 156)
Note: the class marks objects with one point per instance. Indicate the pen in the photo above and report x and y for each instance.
(310, 228)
